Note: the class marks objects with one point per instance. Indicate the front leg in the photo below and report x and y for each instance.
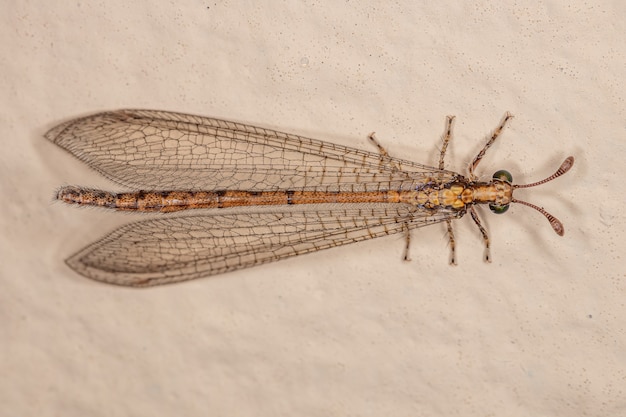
(447, 136)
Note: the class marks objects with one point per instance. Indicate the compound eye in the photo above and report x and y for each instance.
(498, 209)
(503, 175)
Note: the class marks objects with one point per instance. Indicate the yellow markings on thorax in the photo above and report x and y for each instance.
(456, 196)
(496, 192)
(459, 195)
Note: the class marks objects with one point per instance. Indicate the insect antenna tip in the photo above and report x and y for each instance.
(554, 222)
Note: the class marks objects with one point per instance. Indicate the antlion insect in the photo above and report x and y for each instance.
(272, 195)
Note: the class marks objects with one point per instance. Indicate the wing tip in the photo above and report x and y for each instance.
(60, 132)
(120, 278)
(56, 133)
(106, 277)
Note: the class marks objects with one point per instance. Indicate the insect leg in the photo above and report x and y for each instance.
(447, 135)
(494, 136)
(407, 231)
(407, 235)
(376, 143)
(446, 139)
(452, 243)
(383, 152)
(483, 232)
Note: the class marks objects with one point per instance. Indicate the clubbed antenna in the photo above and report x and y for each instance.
(554, 222)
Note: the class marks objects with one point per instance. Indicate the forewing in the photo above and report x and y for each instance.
(162, 150)
(172, 249)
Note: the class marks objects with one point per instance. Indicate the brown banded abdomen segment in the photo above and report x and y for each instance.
(86, 197)
(169, 201)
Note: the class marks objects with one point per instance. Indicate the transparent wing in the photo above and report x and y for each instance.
(172, 249)
(162, 150)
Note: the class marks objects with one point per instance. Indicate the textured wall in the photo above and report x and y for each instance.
(351, 331)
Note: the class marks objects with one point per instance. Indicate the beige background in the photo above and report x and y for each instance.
(352, 331)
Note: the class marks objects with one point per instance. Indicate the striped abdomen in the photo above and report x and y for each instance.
(455, 196)
(168, 201)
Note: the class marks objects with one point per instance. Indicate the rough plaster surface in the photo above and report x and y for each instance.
(352, 331)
